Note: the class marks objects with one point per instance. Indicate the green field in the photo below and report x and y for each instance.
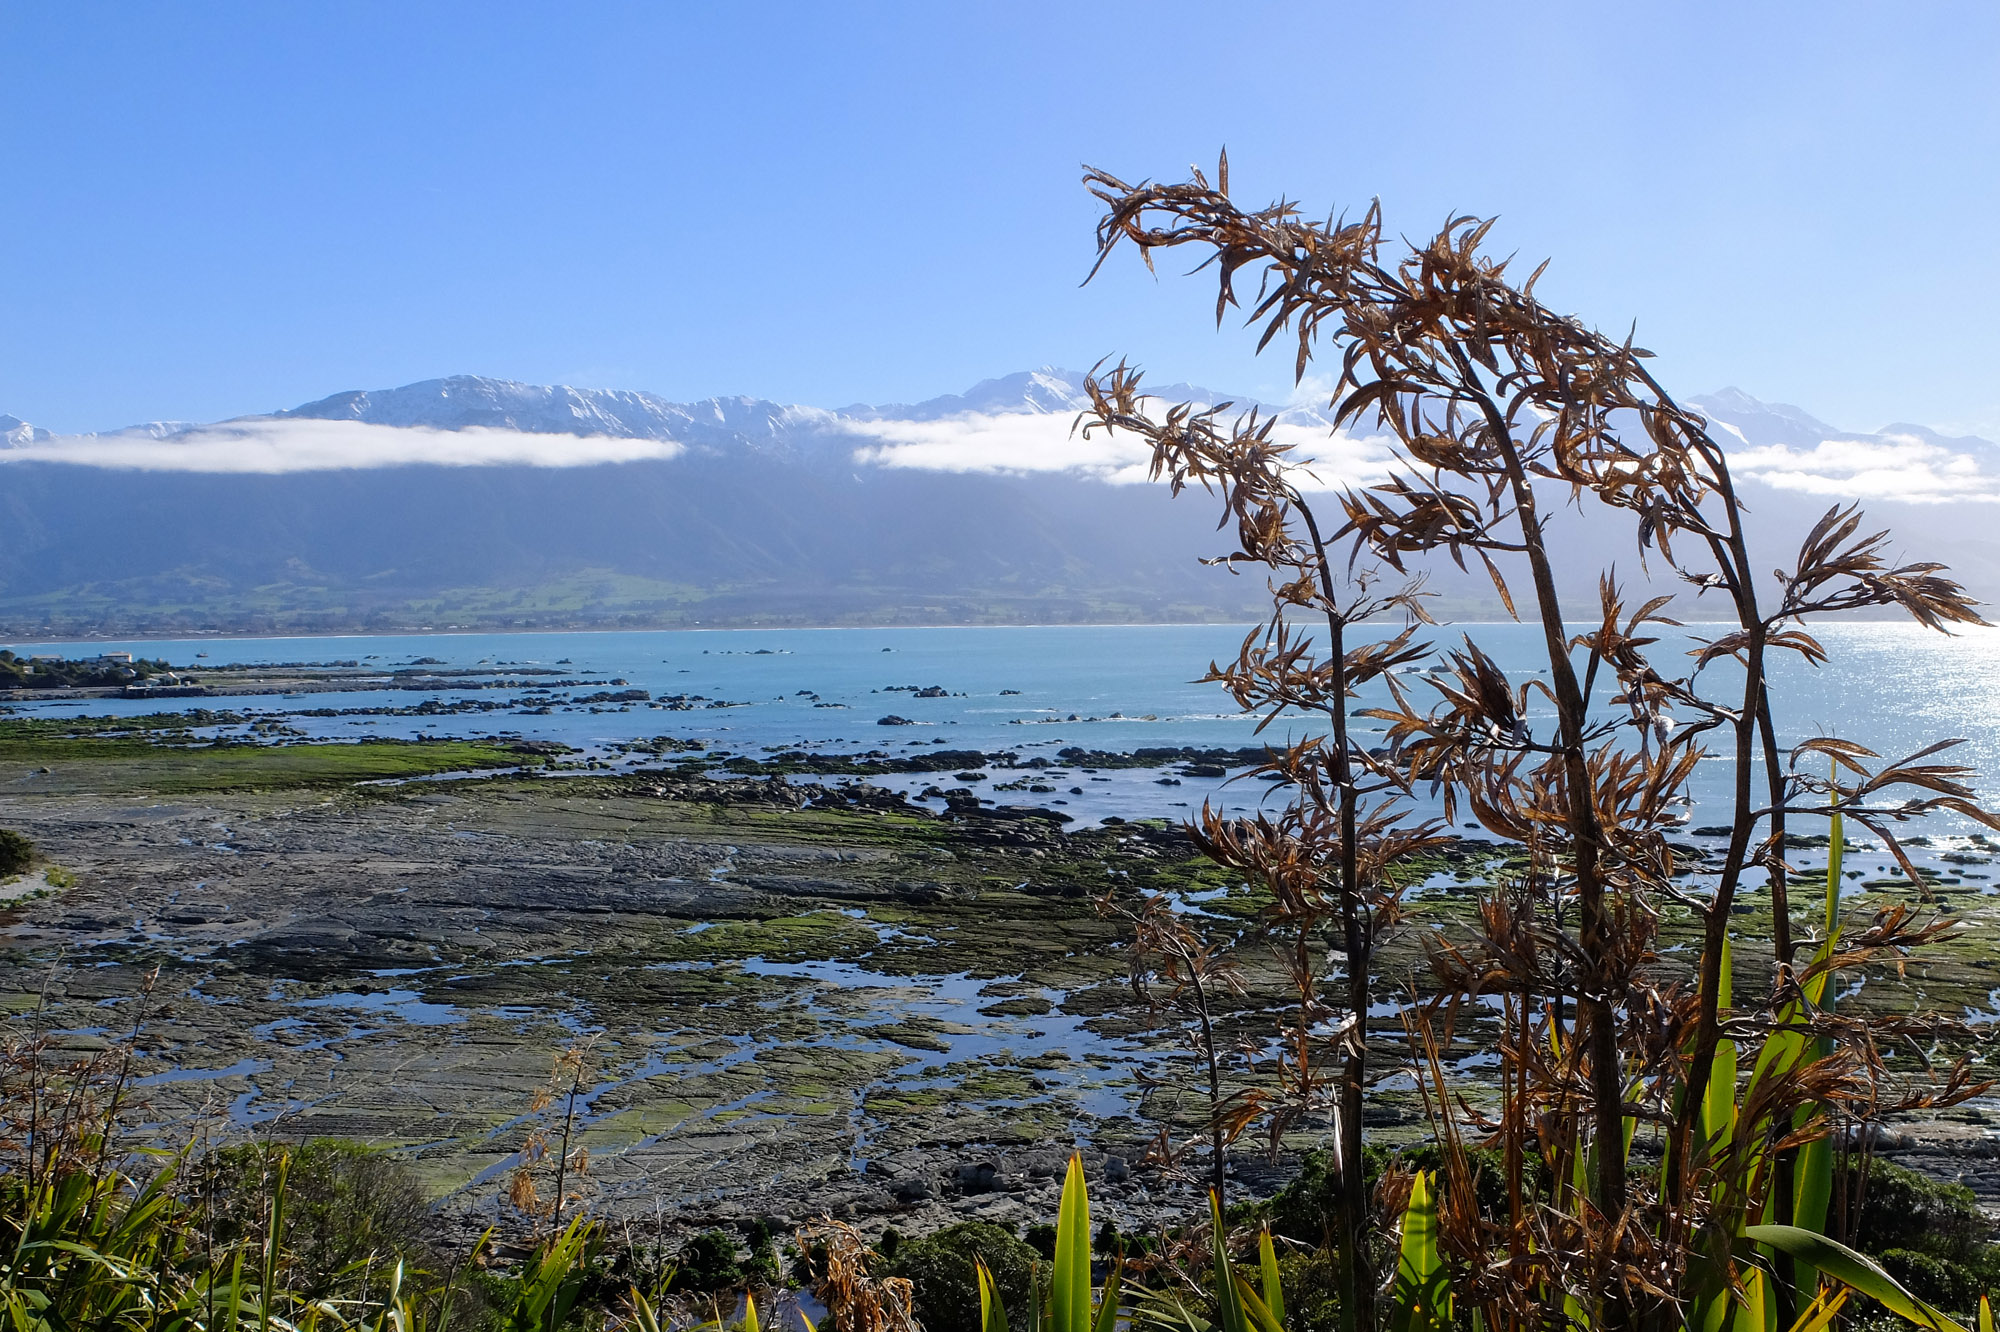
(33, 761)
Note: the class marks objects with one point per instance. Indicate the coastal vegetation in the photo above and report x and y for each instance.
(168, 753)
(333, 1236)
(16, 852)
(1666, 1139)
(56, 673)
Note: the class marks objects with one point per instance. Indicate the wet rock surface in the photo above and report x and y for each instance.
(789, 1001)
(858, 1009)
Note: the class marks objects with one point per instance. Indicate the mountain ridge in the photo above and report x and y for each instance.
(486, 503)
(457, 402)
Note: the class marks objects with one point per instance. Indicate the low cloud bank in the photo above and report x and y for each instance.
(1886, 467)
(1026, 442)
(273, 445)
(1895, 466)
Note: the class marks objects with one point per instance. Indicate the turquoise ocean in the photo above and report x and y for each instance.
(1020, 691)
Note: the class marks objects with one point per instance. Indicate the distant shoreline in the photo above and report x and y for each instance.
(18, 642)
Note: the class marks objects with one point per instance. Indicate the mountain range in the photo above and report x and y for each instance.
(479, 503)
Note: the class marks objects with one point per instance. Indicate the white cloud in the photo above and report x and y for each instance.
(1032, 442)
(1000, 442)
(273, 445)
(1314, 392)
(1887, 467)
(1900, 467)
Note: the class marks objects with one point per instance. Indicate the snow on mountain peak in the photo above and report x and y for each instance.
(1790, 450)
(1018, 423)
(16, 433)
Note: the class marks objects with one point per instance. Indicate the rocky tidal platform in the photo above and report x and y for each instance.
(785, 1000)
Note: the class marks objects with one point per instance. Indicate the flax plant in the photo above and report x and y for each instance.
(1324, 860)
(1508, 421)
(1176, 970)
(550, 1166)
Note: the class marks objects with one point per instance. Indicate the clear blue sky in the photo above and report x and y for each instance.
(216, 209)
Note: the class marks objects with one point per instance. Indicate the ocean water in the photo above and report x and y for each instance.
(1028, 691)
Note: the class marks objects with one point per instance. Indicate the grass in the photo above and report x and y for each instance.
(125, 764)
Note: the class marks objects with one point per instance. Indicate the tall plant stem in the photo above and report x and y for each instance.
(1357, 1281)
(562, 1159)
(1218, 1141)
(1600, 1035)
(1754, 732)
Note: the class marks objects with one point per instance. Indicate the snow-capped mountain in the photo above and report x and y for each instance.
(487, 502)
(14, 432)
(475, 403)
(470, 401)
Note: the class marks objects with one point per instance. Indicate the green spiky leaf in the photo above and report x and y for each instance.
(1421, 1298)
(1071, 1285)
(1853, 1269)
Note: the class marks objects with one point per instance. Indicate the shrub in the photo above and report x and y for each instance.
(1312, 1291)
(762, 1268)
(1931, 1235)
(16, 852)
(944, 1282)
(1936, 1281)
(708, 1263)
(345, 1203)
(1903, 1209)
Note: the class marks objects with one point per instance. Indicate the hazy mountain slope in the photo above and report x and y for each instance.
(691, 539)
(765, 514)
